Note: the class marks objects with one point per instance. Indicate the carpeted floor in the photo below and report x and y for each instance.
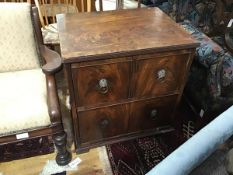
(137, 157)
(214, 165)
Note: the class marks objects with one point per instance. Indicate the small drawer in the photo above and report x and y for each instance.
(98, 84)
(150, 114)
(102, 123)
(156, 76)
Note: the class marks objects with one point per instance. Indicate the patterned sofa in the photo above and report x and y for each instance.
(210, 84)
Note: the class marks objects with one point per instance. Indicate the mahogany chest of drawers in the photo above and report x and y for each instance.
(126, 72)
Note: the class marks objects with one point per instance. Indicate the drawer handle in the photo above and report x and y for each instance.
(103, 86)
(161, 74)
(153, 114)
(104, 123)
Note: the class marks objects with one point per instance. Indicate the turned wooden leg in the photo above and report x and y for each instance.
(63, 155)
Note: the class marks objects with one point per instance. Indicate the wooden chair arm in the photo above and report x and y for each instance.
(228, 38)
(53, 61)
(53, 64)
(52, 100)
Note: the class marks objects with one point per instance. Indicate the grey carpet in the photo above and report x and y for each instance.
(213, 165)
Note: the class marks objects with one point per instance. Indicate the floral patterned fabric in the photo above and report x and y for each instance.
(207, 15)
(210, 81)
(208, 52)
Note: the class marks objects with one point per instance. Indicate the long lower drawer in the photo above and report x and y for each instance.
(138, 116)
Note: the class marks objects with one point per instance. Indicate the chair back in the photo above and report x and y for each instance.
(17, 40)
(48, 9)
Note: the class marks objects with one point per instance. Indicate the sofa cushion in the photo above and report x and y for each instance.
(208, 52)
(23, 101)
(17, 42)
(215, 59)
(210, 82)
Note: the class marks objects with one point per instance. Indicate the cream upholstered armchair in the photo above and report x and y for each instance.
(29, 105)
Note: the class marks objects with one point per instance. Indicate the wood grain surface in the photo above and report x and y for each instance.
(119, 33)
(151, 113)
(89, 91)
(102, 123)
(159, 76)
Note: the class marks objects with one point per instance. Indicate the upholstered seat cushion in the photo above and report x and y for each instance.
(23, 103)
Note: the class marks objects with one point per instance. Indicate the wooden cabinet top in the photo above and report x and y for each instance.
(88, 36)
